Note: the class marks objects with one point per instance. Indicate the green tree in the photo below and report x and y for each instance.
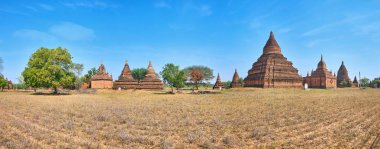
(3, 82)
(87, 77)
(241, 81)
(344, 83)
(49, 68)
(376, 83)
(138, 74)
(78, 68)
(198, 74)
(227, 84)
(173, 76)
(21, 83)
(364, 82)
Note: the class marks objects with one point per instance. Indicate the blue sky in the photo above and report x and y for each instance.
(221, 34)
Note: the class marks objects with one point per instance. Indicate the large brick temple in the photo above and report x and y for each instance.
(101, 80)
(321, 77)
(272, 69)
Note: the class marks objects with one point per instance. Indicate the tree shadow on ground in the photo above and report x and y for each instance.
(165, 93)
(50, 94)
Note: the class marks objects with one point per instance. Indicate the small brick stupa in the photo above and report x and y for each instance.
(150, 81)
(355, 82)
(321, 77)
(125, 81)
(218, 84)
(235, 80)
(272, 69)
(101, 79)
(343, 76)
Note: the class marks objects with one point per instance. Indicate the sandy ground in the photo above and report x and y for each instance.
(243, 118)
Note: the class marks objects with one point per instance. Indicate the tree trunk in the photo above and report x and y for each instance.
(172, 89)
(55, 90)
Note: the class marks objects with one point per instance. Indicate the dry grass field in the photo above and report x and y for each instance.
(246, 118)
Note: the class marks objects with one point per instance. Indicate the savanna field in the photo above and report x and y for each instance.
(243, 118)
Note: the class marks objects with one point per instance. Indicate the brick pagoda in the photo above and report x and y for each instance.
(355, 82)
(272, 69)
(101, 79)
(235, 80)
(321, 77)
(343, 76)
(125, 81)
(218, 84)
(150, 81)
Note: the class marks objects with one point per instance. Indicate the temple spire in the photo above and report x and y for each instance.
(218, 79)
(218, 83)
(150, 73)
(271, 46)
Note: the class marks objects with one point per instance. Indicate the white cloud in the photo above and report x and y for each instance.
(319, 29)
(205, 10)
(202, 9)
(13, 12)
(72, 31)
(313, 43)
(89, 4)
(34, 35)
(46, 7)
(183, 27)
(283, 30)
(255, 24)
(66, 31)
(161, 4)
(31, 8)
(350, 19)
(371, 30)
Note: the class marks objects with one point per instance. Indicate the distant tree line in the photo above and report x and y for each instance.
(54, 68)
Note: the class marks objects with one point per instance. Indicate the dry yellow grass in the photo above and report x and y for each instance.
(244, 118)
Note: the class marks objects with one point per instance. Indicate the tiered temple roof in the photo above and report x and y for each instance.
(355, 83)
(101, 74)
(321, 77)
(272, 69)
(101, 79)
(355, 80)
(150, 80)
(218, 84)
(343, 76)
(126, 80)
(235, 80)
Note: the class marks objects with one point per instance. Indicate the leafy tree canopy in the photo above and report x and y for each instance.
(227, 84)
(3, 82)
(49, 68)
(198, 74)
(206, 72)
(364, 82)
(87, 77)
(173, 76)
(138, 73)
